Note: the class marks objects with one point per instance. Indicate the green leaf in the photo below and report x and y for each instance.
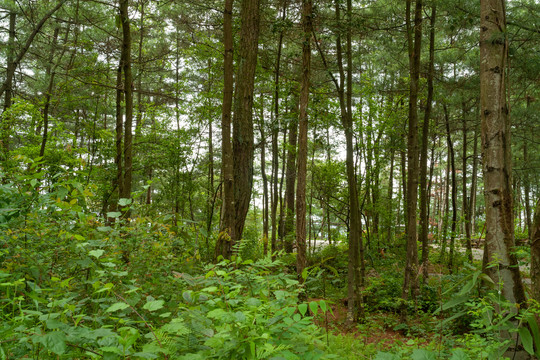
(114, 214)
(124, 202)
(145, 355)
(533, 325)
(54, 341)
(313, 306)
(176, 326)
(111, 349)
(459, 354)
(253, 302)
(322, 304)
(104, 228)
(302, 308)
(455, 302)
(117, 306)
(305, 273)
(216, 314)
(153, 305)
(526, 340)
(422, 354)
(385, 356)
(96, 253)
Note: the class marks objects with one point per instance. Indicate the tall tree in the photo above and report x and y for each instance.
(275, 130)
(424, 217)
(497, 161)
(410, 283)
(301, 260)
(243, 116)
(223, 245)
(128, 99)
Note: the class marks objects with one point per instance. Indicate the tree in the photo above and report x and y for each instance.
(497, 161)
(223, 245)
(410, 283)
(301, 259)
(243, 143)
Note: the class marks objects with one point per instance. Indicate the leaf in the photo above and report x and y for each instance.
(304, 273)
(459, 354)
(111, 349)
(54, 341)
(302, 308)
(322, 304)
(455, 301)
(313, 306)
(96, 253)
(385, 356)
(104, 228)
(117, 306)
(114, 214)
(533, 325)
(216, 314)
(176, 326)
(145, 355)
(124, 202)
(526, 340)
(153, 305)
(422, 354)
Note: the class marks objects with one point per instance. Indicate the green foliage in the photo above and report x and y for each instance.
(73, 286)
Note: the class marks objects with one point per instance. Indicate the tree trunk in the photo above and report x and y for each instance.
(265, 181)
(10, 59)
(454, 189)
(424, 195)
(474, 175)
(410, 283)
(50, 73)
(301, 259)
(389, 197)
(465, 206)
(128, 99)
(224, 242)
(243, 117)
(119, 131)
(290, 180)
(275, 133)
(445, 209)
(497, 164)
(535, 254)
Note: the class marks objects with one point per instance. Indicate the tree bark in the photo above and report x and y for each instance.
(465, 206)
(290, 181)
(451, 155)
(265, 180)
(424, 217)
(224, 242)
(474, 176)
(10, 58)
(243, 118)
(410, 283)
(275, 133)
(535, 254)
(128, 99)
(301, 259)
(50, 72)
(497, 156)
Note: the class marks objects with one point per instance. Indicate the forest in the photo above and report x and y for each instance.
(269, 179)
